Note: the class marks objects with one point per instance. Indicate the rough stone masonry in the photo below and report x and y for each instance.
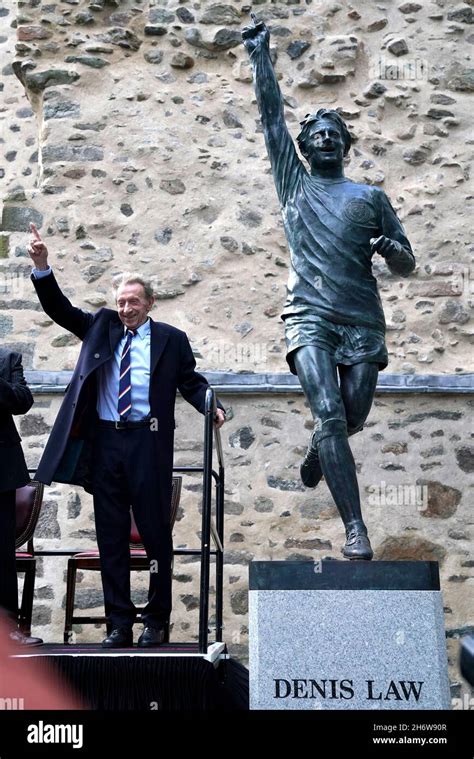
(130, 138)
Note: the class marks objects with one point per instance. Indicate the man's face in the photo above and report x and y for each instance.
(133, 305)
(325, 145)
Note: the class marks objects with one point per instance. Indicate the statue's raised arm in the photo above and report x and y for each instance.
(334, 320)
(284, 159)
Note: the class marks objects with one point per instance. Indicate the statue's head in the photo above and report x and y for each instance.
(324, 139)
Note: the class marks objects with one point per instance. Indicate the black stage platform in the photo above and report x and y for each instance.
(181, 677)
(172, 677)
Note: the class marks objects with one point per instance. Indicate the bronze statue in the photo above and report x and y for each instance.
(334, 321)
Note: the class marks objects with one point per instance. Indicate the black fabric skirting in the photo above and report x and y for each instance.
(142, 683)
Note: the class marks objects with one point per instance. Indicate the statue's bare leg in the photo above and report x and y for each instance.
(357, 385)
(357, 388)
(317, 372)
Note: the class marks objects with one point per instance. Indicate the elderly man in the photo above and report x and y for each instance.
(334, 321)
(114, 435)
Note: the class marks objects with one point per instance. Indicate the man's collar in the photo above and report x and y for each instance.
(143, 331)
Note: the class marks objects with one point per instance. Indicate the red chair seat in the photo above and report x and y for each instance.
(87, 555)
(28, 502)
(136, 553)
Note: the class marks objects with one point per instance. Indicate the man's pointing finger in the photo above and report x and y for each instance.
(35, 231)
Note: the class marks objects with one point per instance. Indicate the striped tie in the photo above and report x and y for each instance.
(124, 405)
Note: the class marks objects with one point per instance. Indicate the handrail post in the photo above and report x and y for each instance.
(220, 554)
(220, 534)
(209, 411)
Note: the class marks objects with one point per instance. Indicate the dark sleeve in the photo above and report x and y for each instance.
(15, 395)
(60, 309)
(191, 384)
(401, 262)
(285, 162)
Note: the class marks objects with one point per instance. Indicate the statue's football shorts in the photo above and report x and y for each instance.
(348, 344)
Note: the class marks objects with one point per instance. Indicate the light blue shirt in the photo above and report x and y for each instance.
(109, 373)
(39, 273)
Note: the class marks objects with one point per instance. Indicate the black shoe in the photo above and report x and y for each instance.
(18, 637)
(120, 637)
(310, 470)
(151, 636)
(357, 544)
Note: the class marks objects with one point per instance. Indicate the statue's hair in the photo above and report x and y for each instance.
(312, 118)
(129, 278)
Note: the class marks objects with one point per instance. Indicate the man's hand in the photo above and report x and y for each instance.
(256, 35)
(37, 250)
(383, 245)
(219, 419)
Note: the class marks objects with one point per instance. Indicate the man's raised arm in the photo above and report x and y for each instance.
(54, 303)
(284, 159)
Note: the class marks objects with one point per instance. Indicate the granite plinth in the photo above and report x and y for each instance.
(346, 635)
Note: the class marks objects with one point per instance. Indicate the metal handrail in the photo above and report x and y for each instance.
(211, 434)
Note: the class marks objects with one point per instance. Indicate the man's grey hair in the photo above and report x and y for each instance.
(129, 278)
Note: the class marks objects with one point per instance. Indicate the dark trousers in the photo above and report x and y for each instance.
(124, 476)
(8, 576)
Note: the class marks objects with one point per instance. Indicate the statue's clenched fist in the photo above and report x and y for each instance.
(255, 35)
(384, 246)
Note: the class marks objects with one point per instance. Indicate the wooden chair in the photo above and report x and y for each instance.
(28, 506)
(139, 562)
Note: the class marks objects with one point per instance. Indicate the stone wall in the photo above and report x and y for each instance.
(415, 462)
(132, 139)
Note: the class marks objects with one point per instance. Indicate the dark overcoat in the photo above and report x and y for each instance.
(15, 398)
(67, 455)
